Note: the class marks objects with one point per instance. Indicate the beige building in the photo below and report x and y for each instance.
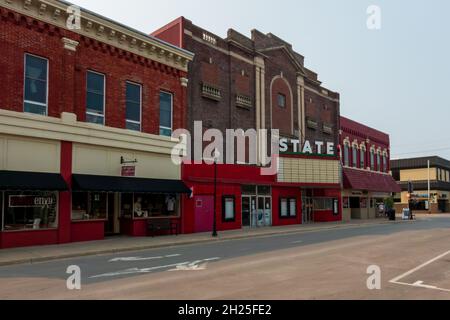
(431, 185)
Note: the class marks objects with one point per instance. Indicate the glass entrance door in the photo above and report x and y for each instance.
(248, 211)
(308, 210)
(264, 212)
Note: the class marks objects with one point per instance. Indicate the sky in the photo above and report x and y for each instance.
(395, 79)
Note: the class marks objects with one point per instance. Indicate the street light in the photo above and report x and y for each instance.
(216, 158)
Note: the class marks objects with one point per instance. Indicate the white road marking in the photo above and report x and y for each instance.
(420, 284)
(297, 242)
(133, 259)
(198, 265)
(181, 266)
(419, 267)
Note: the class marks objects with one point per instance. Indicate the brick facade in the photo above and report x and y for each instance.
(67, 73)
(229, 64)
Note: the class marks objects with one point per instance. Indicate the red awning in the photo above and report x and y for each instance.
(369, 181)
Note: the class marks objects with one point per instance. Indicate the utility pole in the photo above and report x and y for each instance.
(429, 187)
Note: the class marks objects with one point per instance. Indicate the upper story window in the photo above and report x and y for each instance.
(362, 159)
(379, 162)
(372, 160)
(355, 157)
(346, 155)
(36, 85)
(95, 98)
(133, 106)
(281, 100)
(165, 114)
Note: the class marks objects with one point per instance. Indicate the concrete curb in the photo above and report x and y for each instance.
(138, 248)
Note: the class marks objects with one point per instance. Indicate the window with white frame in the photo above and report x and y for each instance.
(95, 98)
(36, 85)
(355, 156)
(379, 161)
(362, 158)
(385, 163)
(133, 106)
(165, 114)
(346, 155)
(372, 160)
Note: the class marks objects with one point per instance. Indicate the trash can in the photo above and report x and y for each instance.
(392, 214)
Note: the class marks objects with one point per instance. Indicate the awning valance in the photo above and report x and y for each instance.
(369, 181)
(31, 181)
(127, 185)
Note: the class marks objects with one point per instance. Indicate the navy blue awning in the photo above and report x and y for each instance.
(127, 185)
(32, 181)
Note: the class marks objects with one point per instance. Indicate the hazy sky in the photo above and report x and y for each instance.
(395, 79)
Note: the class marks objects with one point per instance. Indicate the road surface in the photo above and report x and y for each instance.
(413, 258)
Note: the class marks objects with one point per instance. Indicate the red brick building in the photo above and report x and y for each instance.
(365, 155)
(258, 83)
(86, 116)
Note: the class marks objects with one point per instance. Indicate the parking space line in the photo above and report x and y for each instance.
(397, 279)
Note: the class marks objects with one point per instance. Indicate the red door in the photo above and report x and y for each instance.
(204, 213)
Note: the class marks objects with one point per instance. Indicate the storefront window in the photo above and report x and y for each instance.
(229, 213)
(346, 202)
(143, 206)
(89, 206)
(251, 190)
(363, 203)
(30, 210)
(323, 204)
(288, 207)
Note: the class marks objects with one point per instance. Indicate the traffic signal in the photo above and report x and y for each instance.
(410, 187)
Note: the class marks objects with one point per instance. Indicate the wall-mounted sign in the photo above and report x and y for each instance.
(316, 148)
(30, 201)
(128, 171)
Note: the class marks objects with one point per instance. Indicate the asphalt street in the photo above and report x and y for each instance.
(105, 268)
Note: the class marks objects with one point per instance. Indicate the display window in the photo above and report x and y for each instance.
(89, 206)
(146, 206)
(229, 208)
(288, 207)
(29, 210)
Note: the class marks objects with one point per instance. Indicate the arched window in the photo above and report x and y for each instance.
(372, 160)
(346, 155)
(378, 162)
(355, 156)
(362, 158)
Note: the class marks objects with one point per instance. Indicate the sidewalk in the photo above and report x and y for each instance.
(113, 245)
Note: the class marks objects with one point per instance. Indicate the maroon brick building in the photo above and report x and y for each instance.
(365, 154)
(259, 83)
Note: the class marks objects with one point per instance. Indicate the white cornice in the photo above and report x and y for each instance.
(102, 29)
(69, 129)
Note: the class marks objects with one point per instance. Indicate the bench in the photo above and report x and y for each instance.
(156, 225)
